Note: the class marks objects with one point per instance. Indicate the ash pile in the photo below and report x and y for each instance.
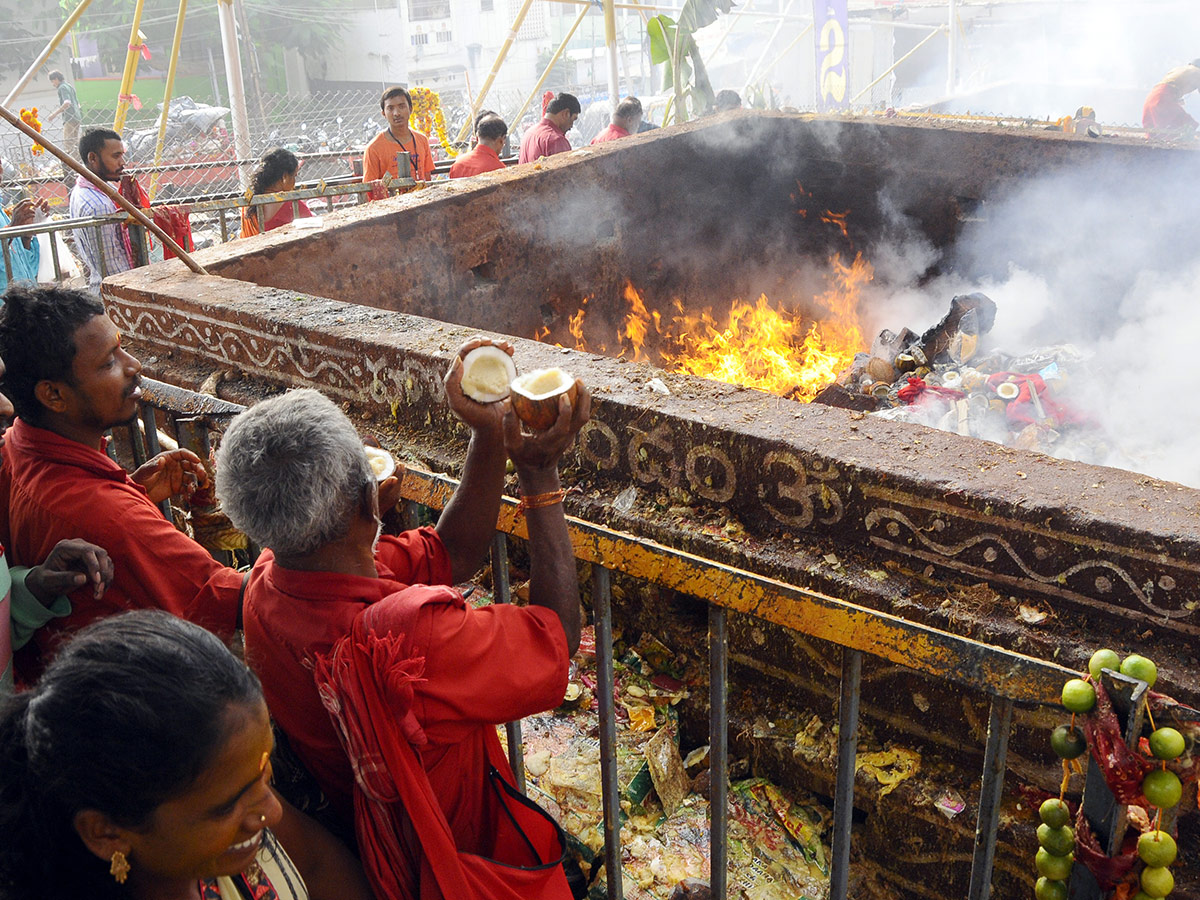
(949, 378)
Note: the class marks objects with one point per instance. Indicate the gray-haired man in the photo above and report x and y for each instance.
(295, 478)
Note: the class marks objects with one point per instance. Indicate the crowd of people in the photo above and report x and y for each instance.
(139, 752)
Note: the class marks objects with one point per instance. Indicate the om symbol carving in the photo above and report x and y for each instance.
(801, 491)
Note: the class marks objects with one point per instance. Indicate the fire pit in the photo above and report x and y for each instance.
(592, 250)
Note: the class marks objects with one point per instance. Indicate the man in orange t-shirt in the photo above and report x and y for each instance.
(398, 139)
(492, 132)
(625, 121)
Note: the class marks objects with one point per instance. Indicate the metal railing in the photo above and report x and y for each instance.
(1006, 677)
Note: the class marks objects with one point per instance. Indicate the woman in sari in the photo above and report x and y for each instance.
(139, 767)
(275, 173)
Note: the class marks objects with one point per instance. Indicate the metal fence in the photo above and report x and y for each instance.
(1005, 677)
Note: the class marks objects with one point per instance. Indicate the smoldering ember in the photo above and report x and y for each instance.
(886, 514)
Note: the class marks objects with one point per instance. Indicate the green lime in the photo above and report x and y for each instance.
(1067, 742)
(1054, 813)
(1156, 848)
(1057, 841)
(1162, 788)
(1140, 668)
(1056, 868)
(1078, 696)
(1103, 659)
(1141, 895)
(1166, 743)
(1045, 889)
(1157, 881)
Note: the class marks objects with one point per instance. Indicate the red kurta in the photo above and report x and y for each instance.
(611, 133)
(52, 489)
(483, 667)
(482, 159)
(543, 139)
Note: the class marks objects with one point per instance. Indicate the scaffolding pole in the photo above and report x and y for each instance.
(890, 69)
(750, 79)
(131, 62)
(610, 46)
(786, 50)
(952, 49)
(233, 80)
(500, 57)
(537, 88)
(45, 54)
(167, 93)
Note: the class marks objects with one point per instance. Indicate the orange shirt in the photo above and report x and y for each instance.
(481, 159)
(380, 156)
(611, 133)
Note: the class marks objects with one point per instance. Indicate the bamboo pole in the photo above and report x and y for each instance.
(733, 20)
(888, 71)
(104, 186)
(537, 88)
(131, 62)
(500, 57)
(610, 47)
(786, 50)
(45, 54)
(754, 70)
(167, 93)
(235, 85)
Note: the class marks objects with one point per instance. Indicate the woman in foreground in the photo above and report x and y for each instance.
(139, 767)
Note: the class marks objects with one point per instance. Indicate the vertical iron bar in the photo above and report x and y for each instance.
(718, 751)
(843, 794)
(610, 793)
(153, 449)
(6, 247)
(295, 209)
(987, 824)
(224, 227)
(99, 232)
(54, 256)
(502, 594)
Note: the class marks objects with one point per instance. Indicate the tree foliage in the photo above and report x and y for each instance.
(672, 42)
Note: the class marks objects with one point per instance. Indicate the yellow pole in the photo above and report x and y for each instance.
(610, 47)
(162, 120)
(487, 84)
(105, 187)
(537, 88)
(45, 54)
(131, 58)
(893, 66)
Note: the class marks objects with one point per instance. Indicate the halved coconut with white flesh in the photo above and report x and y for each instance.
(487, 373)
(535, 396)
(383, 464)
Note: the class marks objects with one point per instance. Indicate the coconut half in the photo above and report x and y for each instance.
(535, 396)
(383, 465)
(487, 373)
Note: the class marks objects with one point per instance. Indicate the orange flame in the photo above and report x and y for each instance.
(575, 325)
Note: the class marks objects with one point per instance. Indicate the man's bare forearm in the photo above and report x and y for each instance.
(469, 519)
(553, 578)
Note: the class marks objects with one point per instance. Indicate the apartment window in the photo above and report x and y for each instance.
(444, 37)
(419, 39)
(423, 10)
(486, 5)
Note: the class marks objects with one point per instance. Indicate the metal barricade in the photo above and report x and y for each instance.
(1007, 678)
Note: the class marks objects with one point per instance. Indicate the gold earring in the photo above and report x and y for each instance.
(119, 867)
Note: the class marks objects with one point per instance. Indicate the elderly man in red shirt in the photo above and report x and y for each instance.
(295, 478)
(625, 121)
(549, 136)
(71, 381)
(491, 132)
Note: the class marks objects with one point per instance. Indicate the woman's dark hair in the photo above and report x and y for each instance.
(37, 340)
(273, 166)
(133, 710)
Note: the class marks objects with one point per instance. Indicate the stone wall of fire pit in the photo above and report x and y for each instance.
(957, 533)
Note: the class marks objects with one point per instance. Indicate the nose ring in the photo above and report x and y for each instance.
(262, 819)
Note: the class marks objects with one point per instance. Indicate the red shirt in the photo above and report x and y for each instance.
(482, 159)
(543, 139)
(380, 156)
(53, 488)
(470, 686)
(611, 133)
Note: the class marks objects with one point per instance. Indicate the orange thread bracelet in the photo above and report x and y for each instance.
(539, 501)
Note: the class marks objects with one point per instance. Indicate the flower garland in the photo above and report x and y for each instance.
(428, 117)
(30, 118)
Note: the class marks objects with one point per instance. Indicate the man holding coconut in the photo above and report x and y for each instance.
(294, 478)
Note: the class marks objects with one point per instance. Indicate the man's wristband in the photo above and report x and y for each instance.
(539, 501)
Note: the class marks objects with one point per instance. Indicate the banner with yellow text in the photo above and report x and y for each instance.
(832, 35)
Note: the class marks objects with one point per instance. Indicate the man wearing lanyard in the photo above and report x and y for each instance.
(398, 150)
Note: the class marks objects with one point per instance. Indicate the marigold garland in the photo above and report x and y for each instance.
(30, 118)
(428, 116)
